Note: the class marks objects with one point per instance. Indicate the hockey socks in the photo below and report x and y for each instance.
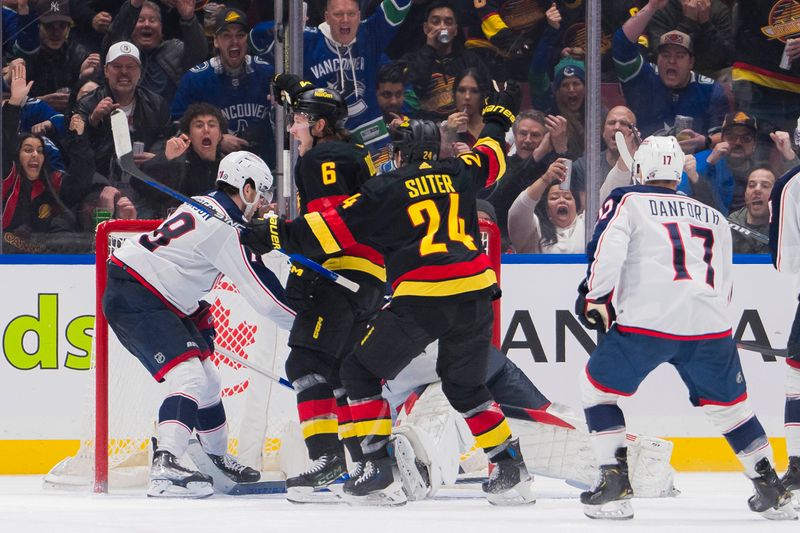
(791, 417)
(606, 425)
(316, 409)
(372, 420)
(176, 419)
(212, 429)
(490, 429)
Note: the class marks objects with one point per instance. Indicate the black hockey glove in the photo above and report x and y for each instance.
(204, 322)
(502, 106)
(289, 87)
(596, 314)
(513, 44)
(300, 287)
(263, 235)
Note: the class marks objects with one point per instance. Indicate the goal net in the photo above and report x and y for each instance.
(122, 405)
(123, 400)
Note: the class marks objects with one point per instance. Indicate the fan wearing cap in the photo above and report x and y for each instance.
(163, 61)
(706, 22)
(147, 112)
(344, 54)
(235, 82)
(59, 61)
(658, 93)
(728, 165)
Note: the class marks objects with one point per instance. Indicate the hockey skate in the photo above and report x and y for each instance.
(791, 481)
(376, 485)
(311, 486)
(771, 499)
(414, 473)
(169, 479)
(509, 482)
(610, 498)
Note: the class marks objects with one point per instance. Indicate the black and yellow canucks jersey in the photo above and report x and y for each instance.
(421, 217)
(327, 174)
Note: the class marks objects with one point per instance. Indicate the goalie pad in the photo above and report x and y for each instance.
(430, 425)
(555, 443)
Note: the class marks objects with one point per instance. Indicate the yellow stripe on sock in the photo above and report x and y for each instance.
(494, 436)
(320, 427)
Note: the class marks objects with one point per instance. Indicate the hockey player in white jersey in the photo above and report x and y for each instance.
(152, 302)
(784, 243)
(660, 264)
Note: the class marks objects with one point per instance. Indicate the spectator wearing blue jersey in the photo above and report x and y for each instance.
(19, 28)
(344, 54)
(235, 82)
(658, 93)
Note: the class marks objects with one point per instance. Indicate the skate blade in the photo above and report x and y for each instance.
(413, 484)
(519, 494)
(391, 496)
(616, 510)
(784, 512)
(164, 488)
(309, 495)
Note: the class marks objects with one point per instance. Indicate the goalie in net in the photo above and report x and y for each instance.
(433, 444)
(155, 282)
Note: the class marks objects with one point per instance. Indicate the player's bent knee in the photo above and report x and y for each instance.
(464, 397)
(213, 389)
(302, 362)
(728, 417)
(792, 382)
(188, 378)
(591, 395)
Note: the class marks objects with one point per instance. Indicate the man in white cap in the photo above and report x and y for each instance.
(147, 112)
(148, 117)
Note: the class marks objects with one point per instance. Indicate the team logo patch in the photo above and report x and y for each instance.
(233, 15)
(159, 357)
(45, 211)
(782, 22)
(125, 49)
(739, 377)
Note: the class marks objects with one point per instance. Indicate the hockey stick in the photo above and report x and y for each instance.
(622, 147)
(752, 346)
(124, 151)
(253, 366)
(749, 233)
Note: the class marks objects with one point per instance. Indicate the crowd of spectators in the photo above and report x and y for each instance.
(193, 78)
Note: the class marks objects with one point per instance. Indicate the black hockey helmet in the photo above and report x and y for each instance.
(322, 103)
(417, 140)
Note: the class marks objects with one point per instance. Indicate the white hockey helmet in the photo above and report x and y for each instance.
(658, 158)
(238, 167)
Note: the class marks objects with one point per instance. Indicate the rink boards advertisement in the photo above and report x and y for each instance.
(47, 321)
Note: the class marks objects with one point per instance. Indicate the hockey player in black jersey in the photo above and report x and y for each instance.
(329, 319)
(423, 219)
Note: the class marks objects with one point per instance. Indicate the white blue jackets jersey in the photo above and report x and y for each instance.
(784, 226)
(667, 259)
(351, 70)
(181, 260)
(243, 99)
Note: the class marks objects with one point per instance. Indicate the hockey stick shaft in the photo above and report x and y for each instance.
(622, 147)
(763, 350)
(253, 366)
(124, 151)
(749, 233)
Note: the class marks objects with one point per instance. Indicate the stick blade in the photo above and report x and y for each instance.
(121, 133)
(622, 147)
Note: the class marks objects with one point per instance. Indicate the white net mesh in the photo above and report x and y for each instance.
(260, 412)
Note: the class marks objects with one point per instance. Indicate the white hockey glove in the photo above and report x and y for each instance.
(596, 314)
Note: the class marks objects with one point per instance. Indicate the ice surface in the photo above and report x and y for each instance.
(708, 502)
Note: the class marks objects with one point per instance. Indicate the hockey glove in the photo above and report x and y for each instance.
(263, 235)
(204, 322)
(502, 106)
(596, 314)
(514, 44)
(300, 287)
(290, 87)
